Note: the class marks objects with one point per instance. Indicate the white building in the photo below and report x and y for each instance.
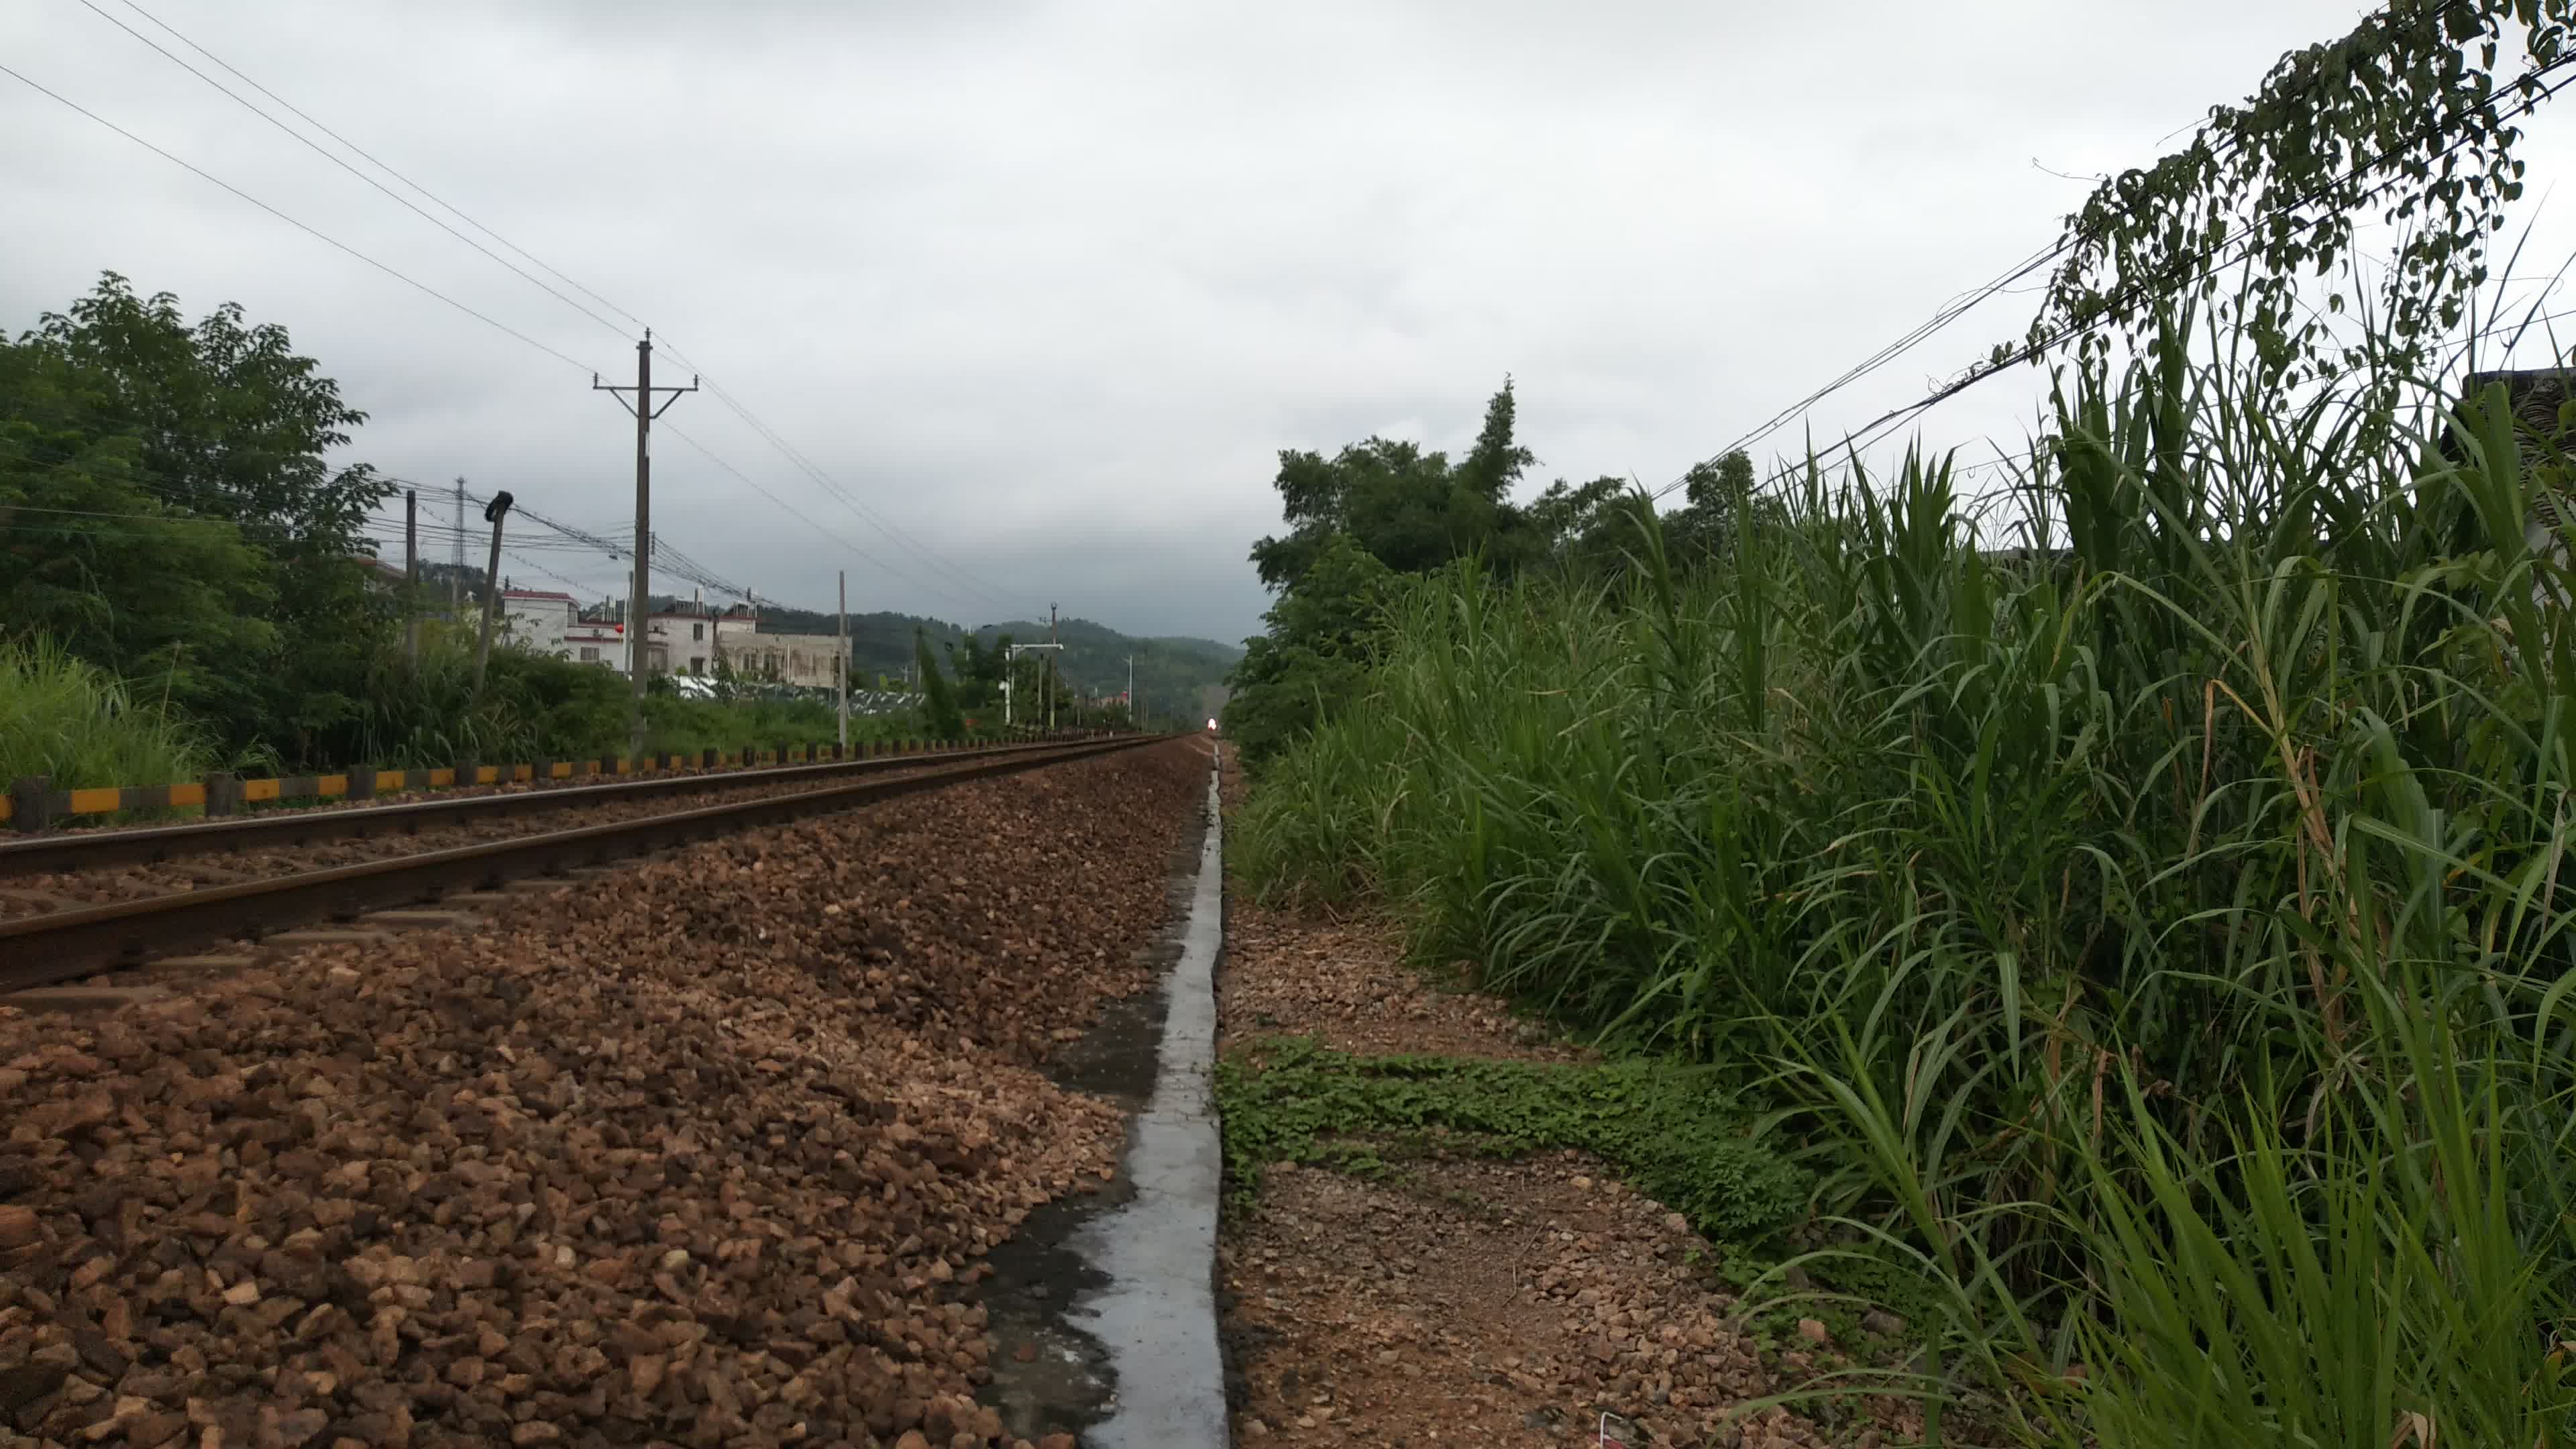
(537, 620)
(600, 644)
(808, 660)
(688, 639)
(544, 622)
(681, 641)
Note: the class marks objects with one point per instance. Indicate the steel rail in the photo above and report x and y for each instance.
(151, 845)
(65, 945)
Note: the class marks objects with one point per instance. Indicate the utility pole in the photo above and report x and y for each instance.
(456, 562)
(411, 579)
(1131, 690)
(841, 661)
(1010, 669)
(645, 412)
(1052, 671)
(495, 510)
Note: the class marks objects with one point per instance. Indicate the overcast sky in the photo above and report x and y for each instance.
(1045, 286)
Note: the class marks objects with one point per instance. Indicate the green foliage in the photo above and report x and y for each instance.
(169, 515)
(939, 707)
(1382, 510)
(2394, 1290)
(2404, 115)
(103, 566)
(532, 708)
(223, 424)
(980, 671)
(1409, 509)
(1672, 1129)
(73, 722)
(688, 726)
(2235, 795)
(1314, 658)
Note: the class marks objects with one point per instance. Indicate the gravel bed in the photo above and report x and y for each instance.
(31, 895)
(709, 1154)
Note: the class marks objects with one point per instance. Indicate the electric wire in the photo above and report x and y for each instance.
(372, 160)
(315, 233)
(1877, 428)
(1959, 306)
(309, 143)
(769, 434)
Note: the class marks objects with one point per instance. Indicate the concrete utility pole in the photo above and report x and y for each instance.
(841, 661)
(495, 511)
(1052, 671)
(1131, 690)
(411, 579)
(1010, 668)
(456, 563)
(645, 412)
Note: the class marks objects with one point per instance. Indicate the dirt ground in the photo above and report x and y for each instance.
(1470, 1301)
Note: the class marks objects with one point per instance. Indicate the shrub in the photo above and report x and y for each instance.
(71, 721)
(2240, 786)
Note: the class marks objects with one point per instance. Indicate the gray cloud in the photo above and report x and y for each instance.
(1047, 284)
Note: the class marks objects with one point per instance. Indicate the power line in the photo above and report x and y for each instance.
(894, 532)
(1959, 306)
(456, 535)
(238, 99)
(198, 518)
(317, 235)
(580, 590)
(1877, 428)
(813, 523)
(389, 170)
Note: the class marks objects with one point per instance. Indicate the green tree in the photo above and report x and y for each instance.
(979, 670)
(270, 623)
(938, 705)
(1718, 501)
(1412, 510)
(163, 598)
(1313, 659)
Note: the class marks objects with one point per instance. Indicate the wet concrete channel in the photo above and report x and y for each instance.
(1103, 1306)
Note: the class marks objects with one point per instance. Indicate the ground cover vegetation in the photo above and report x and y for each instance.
(2132, 880)
(1676, 1128)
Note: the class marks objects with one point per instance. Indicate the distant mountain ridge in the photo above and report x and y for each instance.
(1173, 672)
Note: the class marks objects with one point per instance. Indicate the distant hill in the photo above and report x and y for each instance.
(1173, 672)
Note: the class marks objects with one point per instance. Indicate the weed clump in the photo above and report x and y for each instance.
(1669, 1128)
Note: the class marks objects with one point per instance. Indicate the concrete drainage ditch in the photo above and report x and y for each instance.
(1103, 1308)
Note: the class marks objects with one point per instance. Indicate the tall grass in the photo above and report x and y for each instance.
(72, 721)
(2159, 939)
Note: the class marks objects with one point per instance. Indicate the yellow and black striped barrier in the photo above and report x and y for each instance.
(32, 803)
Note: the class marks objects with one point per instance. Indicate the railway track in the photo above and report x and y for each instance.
(56, 946)
(154, 845)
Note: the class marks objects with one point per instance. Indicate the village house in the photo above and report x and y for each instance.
(681, 639)
(536, 620)
(687, 638)
(810, 661)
